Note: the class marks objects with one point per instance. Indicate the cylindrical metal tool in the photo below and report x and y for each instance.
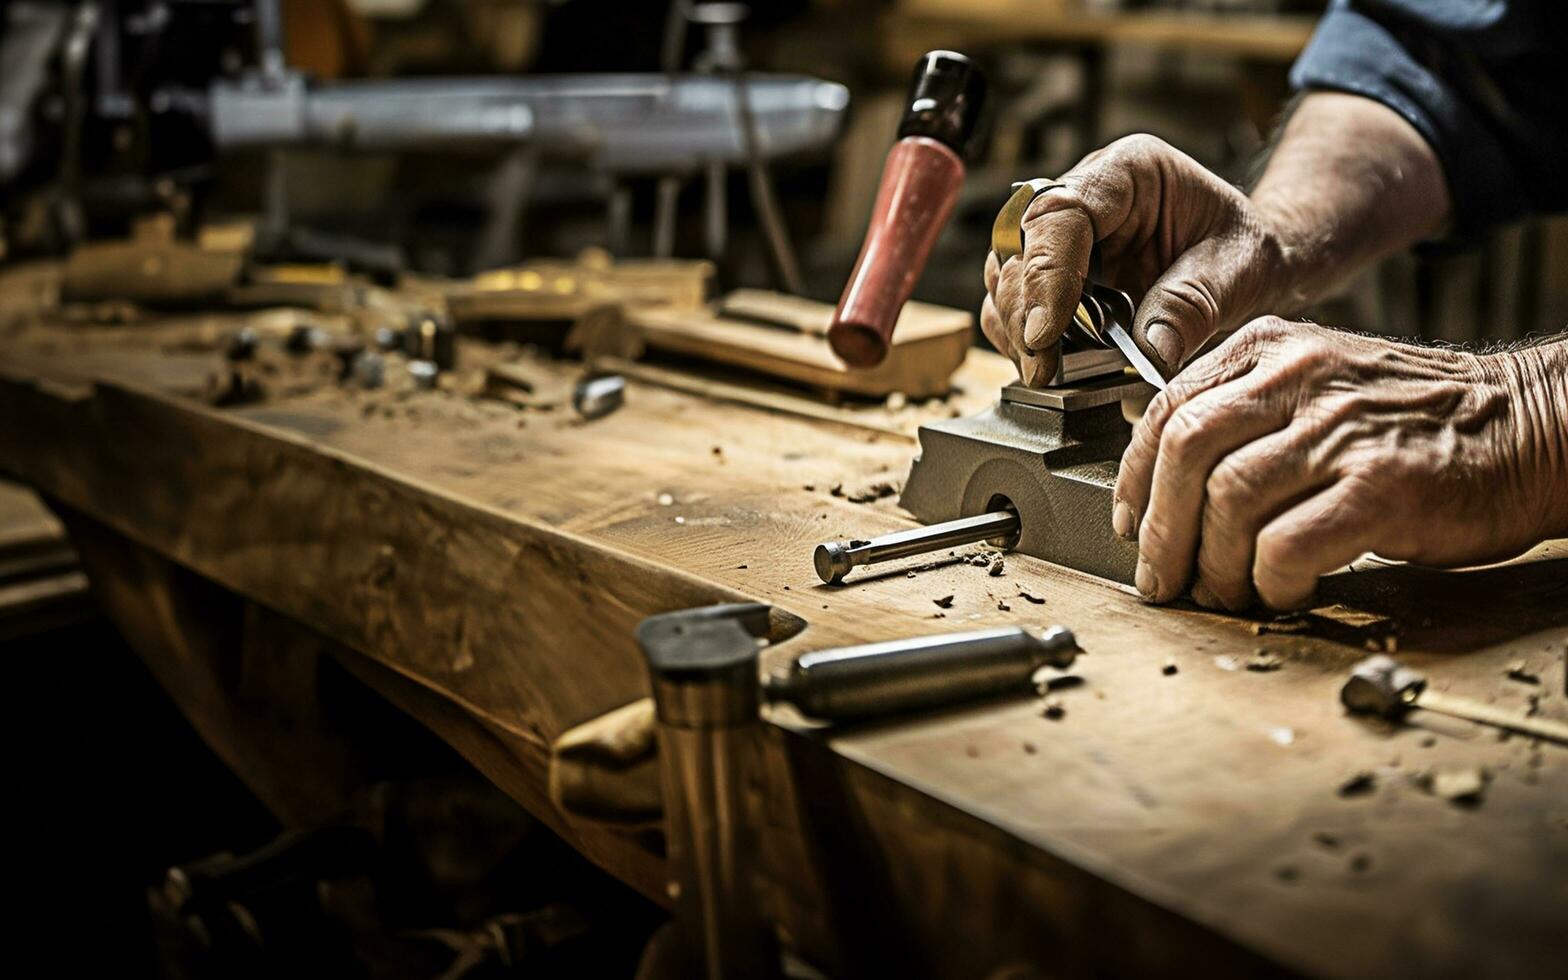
(920, 184)
(908, 675)
(834, 559)
(703, 664)
(1382, 686)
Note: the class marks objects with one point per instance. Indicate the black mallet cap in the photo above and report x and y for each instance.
(946, 98)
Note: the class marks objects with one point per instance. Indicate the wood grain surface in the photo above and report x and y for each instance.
(1184, 812)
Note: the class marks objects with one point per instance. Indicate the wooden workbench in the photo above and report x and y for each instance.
(483, 566)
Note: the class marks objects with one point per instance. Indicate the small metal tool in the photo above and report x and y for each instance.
(1382, 686)
(834, 559)
(594, 398)
(914, 674)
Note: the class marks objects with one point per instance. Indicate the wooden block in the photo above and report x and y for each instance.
(557, 290)
(786, 337)
(169, 273)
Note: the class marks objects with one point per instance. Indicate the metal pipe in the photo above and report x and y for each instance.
(834, 559)
(703, 668)
(912, 674)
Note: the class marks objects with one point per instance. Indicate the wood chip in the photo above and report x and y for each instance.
(874, 492)
(1054, 709)
(997, 566)
(1293, 624)
(1517, 671)
(1030, 598)
(1264, 662)
(1169, 668)
(1465, 787)
(946, 602)
(1360, 784)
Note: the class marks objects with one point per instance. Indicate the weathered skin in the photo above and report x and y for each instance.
(1290, 449)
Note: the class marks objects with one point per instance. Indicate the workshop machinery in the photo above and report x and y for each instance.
(111, 110)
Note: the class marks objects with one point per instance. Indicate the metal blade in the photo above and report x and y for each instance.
(1135, 355)
(1119, 306)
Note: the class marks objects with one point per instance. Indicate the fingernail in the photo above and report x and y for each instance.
(1166, 343)
(1145, 580)
(1034, 328)
(1123, 521)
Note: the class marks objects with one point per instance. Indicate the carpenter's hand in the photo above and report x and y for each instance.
(1292, 449)
(1193, 248)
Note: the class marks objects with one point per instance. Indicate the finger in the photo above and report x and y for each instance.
(1324, 532)
(1196, 436)
(991, 326)
(1195, 298)
(1059, 237)
(1247, 489)
(1060, 228)
(1038, 369)
(993, 269)
(1225, 363)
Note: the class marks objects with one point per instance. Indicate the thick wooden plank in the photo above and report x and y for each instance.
(496, 559)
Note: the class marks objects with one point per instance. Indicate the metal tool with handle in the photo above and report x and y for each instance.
(1104, 314)
(1382, 686)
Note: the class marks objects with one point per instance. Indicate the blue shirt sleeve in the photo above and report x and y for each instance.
(1475, 78)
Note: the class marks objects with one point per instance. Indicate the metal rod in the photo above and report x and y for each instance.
(834, 559)
(924, 672)
(1485, 714)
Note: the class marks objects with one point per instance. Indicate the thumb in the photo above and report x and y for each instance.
(1204, 291)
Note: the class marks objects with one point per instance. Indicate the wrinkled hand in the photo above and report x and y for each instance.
(1291, 450)
(1193, 247)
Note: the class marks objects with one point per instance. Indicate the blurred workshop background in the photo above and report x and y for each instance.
(1069, 76)
(192, 110)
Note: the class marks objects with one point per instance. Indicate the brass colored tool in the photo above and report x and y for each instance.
(1104, 315)
(1382, 686)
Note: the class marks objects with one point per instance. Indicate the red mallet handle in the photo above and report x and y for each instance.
(919, 187)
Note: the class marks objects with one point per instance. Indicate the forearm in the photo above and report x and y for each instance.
(1348, 182)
